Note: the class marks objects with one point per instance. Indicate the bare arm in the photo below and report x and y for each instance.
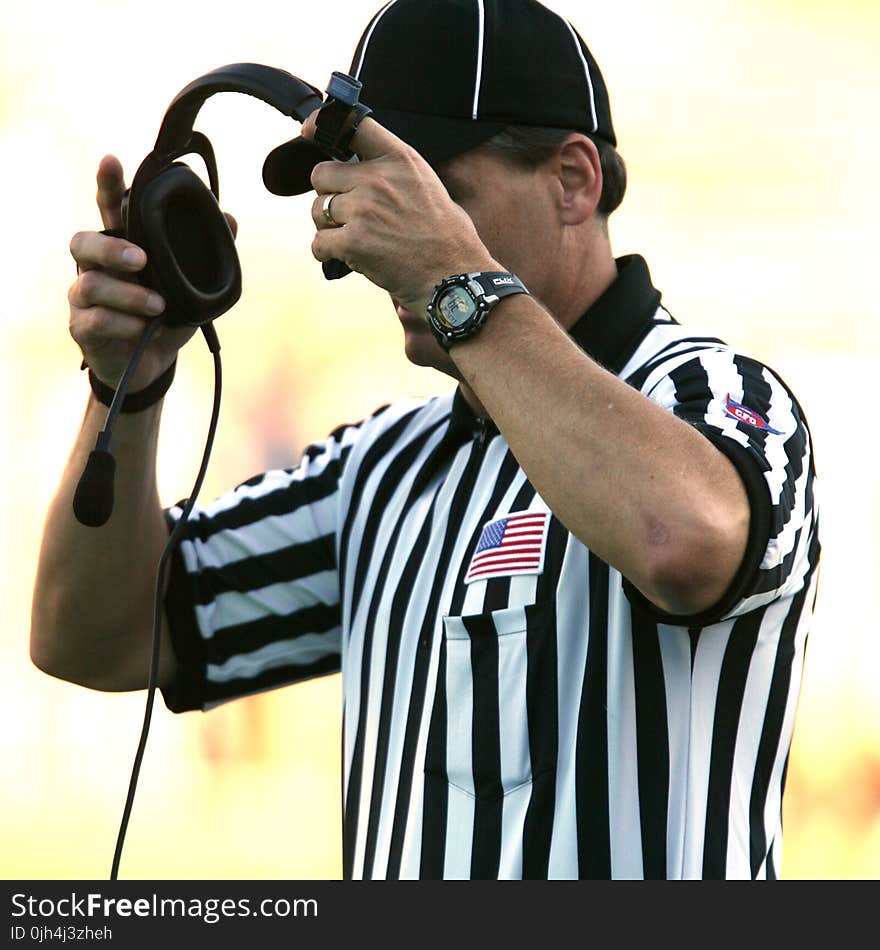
(93, 598)
(641, 488)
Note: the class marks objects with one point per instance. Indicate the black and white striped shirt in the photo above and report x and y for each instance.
(542, 721)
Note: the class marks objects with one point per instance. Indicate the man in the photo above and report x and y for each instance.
(569, 600)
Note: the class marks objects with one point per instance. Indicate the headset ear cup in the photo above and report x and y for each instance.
(192, 260)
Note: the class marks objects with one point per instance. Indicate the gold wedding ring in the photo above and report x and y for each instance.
(325, 209)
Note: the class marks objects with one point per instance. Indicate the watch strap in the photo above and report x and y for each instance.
(498, 284)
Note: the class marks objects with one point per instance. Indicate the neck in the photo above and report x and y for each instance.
(591, 271)
(567, 296)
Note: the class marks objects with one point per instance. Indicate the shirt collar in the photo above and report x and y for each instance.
(609, 331)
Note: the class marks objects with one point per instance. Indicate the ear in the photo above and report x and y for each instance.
(579, 173)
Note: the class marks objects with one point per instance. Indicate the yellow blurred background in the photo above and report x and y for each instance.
(750, 131)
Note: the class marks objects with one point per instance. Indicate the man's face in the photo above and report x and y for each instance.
(509, 209)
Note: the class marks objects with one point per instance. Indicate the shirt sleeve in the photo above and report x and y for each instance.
(753, 417)
(253, 595)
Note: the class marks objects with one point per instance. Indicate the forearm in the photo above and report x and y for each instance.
(642, 489)
(93, 600)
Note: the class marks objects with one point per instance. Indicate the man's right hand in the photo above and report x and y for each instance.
(108, 307)
(94, 592)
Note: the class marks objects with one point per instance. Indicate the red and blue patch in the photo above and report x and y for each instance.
(739, 412)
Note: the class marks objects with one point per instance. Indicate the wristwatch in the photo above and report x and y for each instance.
(460, 305)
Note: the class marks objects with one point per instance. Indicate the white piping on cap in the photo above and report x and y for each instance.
(379, 15)
(580, 53)
(481, 38)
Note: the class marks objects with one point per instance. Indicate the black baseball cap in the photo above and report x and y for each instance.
(447, 75)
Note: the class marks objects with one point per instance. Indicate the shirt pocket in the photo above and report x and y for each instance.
(493, 724)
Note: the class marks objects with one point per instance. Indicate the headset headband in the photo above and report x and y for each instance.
(288, 94)
(191, 257)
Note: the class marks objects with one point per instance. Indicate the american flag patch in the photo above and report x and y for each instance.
(511, 545)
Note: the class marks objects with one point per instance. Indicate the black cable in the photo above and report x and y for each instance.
(214, 346)
(122, 388)
(93, 498)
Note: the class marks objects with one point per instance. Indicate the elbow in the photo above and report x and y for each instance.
(108, 659)
(46, 633)
(63, 667)
(44, 653)
(40, 644)
(48, 663)
(683, 588)
(692, 574)
(53, 652)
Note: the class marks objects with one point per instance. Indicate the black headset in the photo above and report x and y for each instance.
(191, 256)
(176, 219)
(193, 263)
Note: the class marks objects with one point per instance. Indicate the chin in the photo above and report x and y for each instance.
(423, 350)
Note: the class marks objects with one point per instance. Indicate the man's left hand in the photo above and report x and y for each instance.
(393, 220)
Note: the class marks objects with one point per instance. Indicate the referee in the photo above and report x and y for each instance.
(570, 598)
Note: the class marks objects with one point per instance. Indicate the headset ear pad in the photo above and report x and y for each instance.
(192, 260)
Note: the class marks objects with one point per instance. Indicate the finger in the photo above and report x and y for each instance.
(331, 244)
(95, 288)
(92, 250)
(335, 177)
(95, 327)
(233, 224)
(332, 204)
(308, 127)
(371, 140)
(111, 188)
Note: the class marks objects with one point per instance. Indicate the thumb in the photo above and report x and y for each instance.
(308, 127)
(371, 140)
(111, 188)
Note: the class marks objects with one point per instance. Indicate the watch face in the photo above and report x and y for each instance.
(456, 307)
